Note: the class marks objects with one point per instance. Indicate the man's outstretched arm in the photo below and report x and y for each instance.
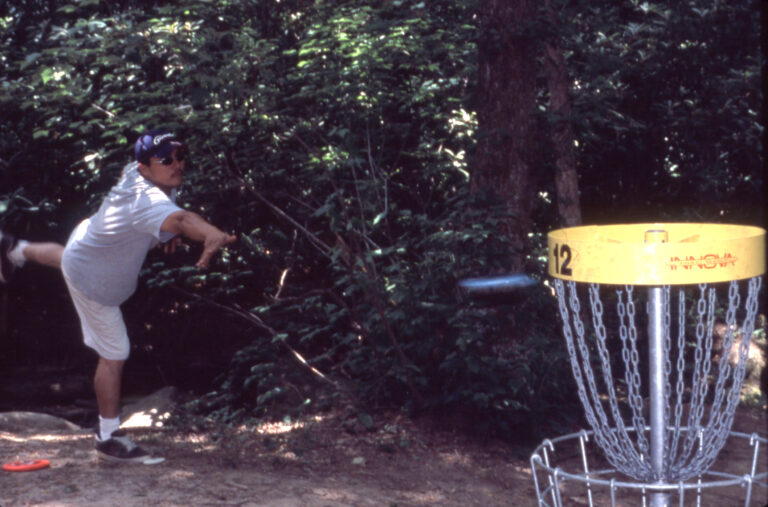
(195, 227)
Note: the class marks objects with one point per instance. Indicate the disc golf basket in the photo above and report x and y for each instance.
(655, 444)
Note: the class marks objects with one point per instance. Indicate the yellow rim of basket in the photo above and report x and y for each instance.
(656, 254)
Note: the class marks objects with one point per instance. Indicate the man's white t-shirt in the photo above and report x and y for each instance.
(105, 252)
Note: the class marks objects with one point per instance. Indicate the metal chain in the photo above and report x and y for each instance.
(699, 383)
(724, 370)
(572, 324)
(633, 377)
(602, 426)
(622, 437)
(575, 365)
(708, 435)
(562, 300)
(680, 384)
(685, 456)
(716, 436)
(684, 464)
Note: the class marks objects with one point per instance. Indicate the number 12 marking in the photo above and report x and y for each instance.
(563, 251)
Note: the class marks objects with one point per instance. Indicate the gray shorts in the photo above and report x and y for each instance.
(103, 326)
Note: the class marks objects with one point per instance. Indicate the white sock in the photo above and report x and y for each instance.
(16, 256)
(108, 426)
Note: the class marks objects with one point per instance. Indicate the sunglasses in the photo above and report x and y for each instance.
(169, 159)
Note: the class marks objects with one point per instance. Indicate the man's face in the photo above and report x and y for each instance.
(167, 173)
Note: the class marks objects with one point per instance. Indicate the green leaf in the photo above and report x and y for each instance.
(67, 9)
(46, 75)
(379, 217)
(365, 420)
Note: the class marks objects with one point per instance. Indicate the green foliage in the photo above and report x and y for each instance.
(335, 138)
(666, 109)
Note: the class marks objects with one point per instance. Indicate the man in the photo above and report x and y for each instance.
(101, 264)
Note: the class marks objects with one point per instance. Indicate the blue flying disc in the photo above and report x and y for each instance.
(497, 284)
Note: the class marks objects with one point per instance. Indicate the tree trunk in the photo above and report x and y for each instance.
(506, 107)
(566, 176)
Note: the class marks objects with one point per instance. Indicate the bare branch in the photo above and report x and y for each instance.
(257, 321)
(110, 114)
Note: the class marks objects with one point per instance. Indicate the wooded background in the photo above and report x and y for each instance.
(369, 154)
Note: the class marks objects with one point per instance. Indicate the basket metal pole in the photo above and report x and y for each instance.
(656, 386)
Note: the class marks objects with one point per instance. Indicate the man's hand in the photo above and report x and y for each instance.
(211, 245)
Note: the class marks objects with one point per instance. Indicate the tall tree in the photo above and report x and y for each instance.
(505, 112)
(558, 83)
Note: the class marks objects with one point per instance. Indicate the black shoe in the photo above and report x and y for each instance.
(119, 448)
(7, 243)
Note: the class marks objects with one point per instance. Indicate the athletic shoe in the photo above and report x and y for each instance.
(119, 448)
(7, 243)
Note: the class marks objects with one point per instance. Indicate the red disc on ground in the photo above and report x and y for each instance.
(26, 466)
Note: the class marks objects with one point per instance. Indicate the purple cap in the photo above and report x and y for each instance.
(155, 143)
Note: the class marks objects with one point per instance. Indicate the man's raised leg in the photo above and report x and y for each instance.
(47, 254)
(14, 253)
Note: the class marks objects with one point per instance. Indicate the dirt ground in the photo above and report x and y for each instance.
(320, 461)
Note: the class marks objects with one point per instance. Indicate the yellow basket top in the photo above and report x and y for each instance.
(656, 254)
